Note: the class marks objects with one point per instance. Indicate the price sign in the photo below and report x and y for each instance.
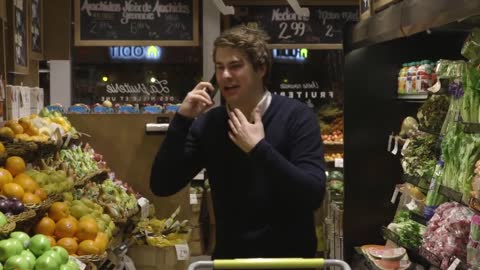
(144, 206)
(339, 163)
(193, 198)
(323, 27)
(81, 265)
(183, 252)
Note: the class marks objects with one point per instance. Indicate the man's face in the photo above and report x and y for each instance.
(239, 82)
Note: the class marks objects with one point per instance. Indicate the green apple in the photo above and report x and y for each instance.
(23, 237)
(3, 219)
(73, 264)
(28, 255)
(10, 247)
(68, 267)
(63, 253)
(39, 243)
(46, 263)
(17, 262)
(53, 254)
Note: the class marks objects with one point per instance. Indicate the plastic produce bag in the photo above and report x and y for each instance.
(471, 47)
(473, 247)
(448, 231)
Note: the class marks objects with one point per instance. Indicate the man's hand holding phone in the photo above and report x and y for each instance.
(197, 101)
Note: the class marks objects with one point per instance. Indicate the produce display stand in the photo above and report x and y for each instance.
(375, 50)
(285, 263)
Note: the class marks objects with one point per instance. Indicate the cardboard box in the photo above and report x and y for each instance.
(211, 212)
(196, 201)
(196, 248)
(36, 100)
(24, 109)
(196, 234)
(12, 102)
(155, 258)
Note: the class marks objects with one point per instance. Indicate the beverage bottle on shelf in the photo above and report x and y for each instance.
(402, 79)
(411, 78)
(433, 76)
(424, 72)
(434, 198)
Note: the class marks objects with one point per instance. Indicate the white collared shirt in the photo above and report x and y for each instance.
(263, 104)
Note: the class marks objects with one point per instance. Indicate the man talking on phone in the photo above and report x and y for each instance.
(263, 154)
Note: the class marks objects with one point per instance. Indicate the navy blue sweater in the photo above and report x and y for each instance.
(263, 200)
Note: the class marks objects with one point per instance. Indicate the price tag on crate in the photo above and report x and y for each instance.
(405, 145)
(339, 163)
(193, 198)
(454, 264)
(395, 148)
(81, 265)
(144, 206)
(183, 252)
(395, 195)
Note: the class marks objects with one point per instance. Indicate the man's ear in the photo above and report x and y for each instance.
(262, 70)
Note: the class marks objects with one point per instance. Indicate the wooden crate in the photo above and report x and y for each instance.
(379, 5)
(366, 9)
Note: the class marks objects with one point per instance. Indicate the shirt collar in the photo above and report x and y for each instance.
(263, 104)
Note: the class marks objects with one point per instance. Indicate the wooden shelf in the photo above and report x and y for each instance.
(414, 16)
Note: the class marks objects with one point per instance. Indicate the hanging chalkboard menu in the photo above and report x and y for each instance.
(140, 22)
(17, 19)
(36, 29)
(323, 29)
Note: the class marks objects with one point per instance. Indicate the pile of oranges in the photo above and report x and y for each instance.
(14, 183)
(78, 237)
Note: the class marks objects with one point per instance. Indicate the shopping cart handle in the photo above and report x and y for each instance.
(284, 263)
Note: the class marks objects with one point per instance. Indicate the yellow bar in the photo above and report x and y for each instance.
(268, 263)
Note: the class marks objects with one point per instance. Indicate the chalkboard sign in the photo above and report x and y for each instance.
(140, 22)
(323, 29)
(36, 29)
(18, 34)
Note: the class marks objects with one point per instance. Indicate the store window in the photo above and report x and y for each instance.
(135, 74)
(314, 77)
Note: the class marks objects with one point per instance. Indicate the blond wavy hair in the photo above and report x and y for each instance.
(251, 41)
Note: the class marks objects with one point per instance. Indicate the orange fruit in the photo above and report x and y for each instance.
(15, 165)
(101, 241)
(41, 193)
(12, 190)
(68, 243)
(53, 242)
(5, 177)
(88, 247)
(58, 210)
(29, 197)
(66, 227)
(45, 226)
(87, 230)
(2, 148)
(7, 132)
(24, 180)
(11, 122)
(16, 128)
(25, 123)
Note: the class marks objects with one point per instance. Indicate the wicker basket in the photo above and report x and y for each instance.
(24, 216)
(29, 150)
(92, 258)
(94, 176)
(8, 228)
(45, 205)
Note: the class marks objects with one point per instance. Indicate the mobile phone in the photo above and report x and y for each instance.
(213, 81)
